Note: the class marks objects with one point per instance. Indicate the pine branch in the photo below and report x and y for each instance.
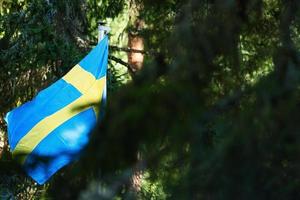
(126, 49)
(120, 61)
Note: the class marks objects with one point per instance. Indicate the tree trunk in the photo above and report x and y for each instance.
(136, 60)
(135, 39)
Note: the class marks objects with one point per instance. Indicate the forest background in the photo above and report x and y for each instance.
(203, 96)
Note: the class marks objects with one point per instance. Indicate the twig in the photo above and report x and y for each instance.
(126, 49)
(120, 61)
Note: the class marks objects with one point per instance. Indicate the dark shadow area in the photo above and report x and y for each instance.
(213, 113)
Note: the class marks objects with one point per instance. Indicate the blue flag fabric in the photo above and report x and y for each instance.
(50, 131)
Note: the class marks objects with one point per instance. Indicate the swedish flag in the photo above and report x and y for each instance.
(49, 132)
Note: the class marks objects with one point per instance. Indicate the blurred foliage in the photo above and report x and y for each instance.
(212, 115)
(41, 39)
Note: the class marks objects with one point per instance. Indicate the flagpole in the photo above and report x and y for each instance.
(102, 30)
